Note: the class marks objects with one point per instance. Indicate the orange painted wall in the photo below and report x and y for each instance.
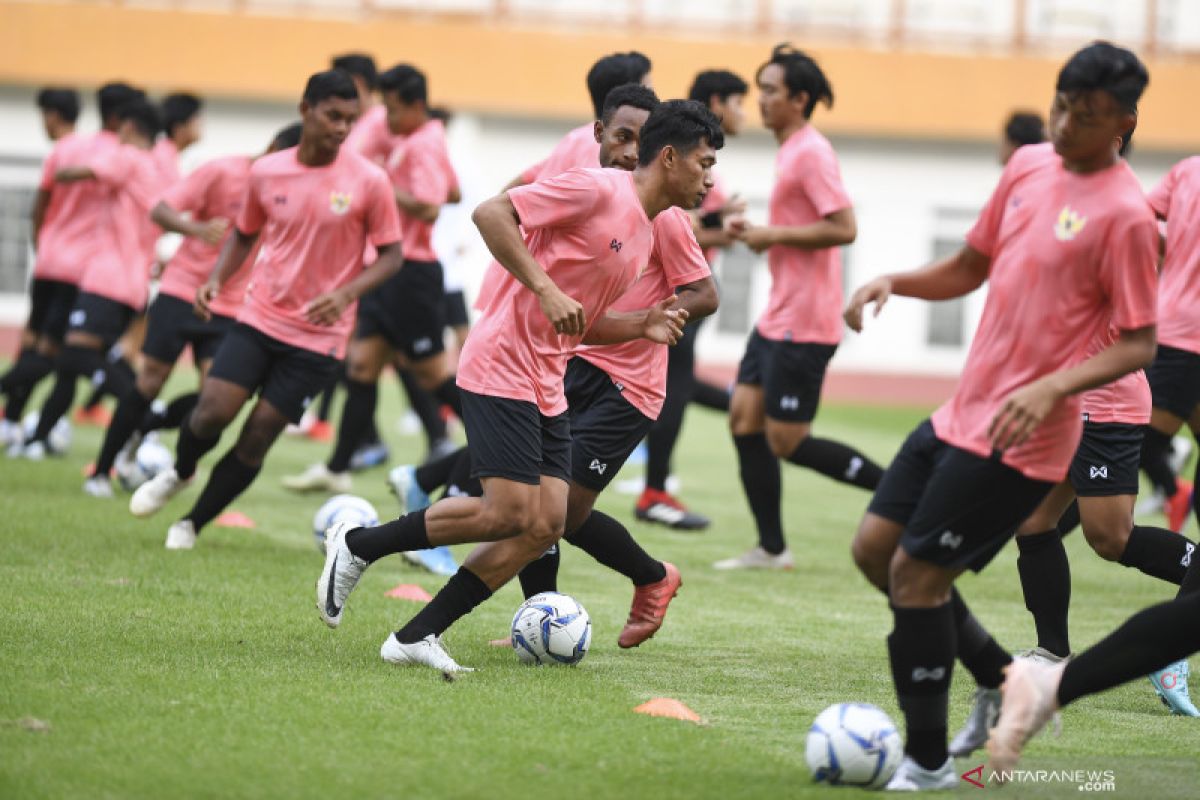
(534, 72)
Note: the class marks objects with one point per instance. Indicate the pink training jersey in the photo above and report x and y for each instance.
(421, 167)
(1071, 255)
(216, 189)
(313, 224)
(1177, 200)
(166, 156)
(1126, 400)
(639, 367)
(806, 285)
(371, 137)
(121, 269)
(715, 200)
(67, 240)
(588, 230)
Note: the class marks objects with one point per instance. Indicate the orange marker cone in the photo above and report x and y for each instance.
(668, 707)
(409, 591)
(235, 519)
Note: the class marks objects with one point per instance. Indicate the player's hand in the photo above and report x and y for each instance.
(664, 324)
(734, 207)
(757, 237)
(1021, 413)
(327, 309)
(564, 313)
(877, 291)
(213, 230)
(734, 226)
(202, 308)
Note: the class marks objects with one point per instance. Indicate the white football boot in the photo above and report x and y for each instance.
(155, 493)
(1030, 701)
(912, 777)
(98, 486)
(318, 478)
(340, 574)
(181, 535)
(427, 653)
(757, 558)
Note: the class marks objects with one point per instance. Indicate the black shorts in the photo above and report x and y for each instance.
(287, 377)
(791, 374)
(407, 310)
(511, 439)
(100, 317)
(172, 325)
(1175, 380)
(605, 427)
(1106, 463)
(50, 304)
(455, 309)
(958, 509)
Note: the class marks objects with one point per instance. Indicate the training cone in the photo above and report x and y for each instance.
(668, 707)
(409, 591)
(235, 519)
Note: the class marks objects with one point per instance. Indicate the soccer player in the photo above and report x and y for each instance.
(1175, 374)
(779, 380)
(405, 314)
(182, 128)
(723, 92)
(60, 109)
(1021, 128)
(115, 284)
(66, 217)
(1068, 247)
(588, 234)
(312, 210)
(202, 208)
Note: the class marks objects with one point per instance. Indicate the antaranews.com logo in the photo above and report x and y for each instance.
(1087, 780)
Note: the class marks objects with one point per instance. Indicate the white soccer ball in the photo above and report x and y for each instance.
(551, 628)
(342, 508)
(853, 744)
(60, 435)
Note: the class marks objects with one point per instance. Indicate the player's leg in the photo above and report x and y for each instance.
(1174, 379)
(56, 300)
(422, 328)
(1046, 573)
(423, 404)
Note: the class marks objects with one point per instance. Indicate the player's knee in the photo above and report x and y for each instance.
(506, 520)
(784, 442)
(150, 382)
(1107, 542)
(871, 559)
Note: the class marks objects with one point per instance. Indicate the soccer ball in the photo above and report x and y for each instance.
(551, 628)
(60, 435)
(151, 458)
(853, 744)
(342, 508)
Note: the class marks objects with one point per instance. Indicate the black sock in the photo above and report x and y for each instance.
(23, 355)
(230, 477)
(190, 449)
(710, 396)
(30, 367)
(759, 471)
(119, 378)
(398, 536)
(1195, 494)
(681, 381)
(461, 593)
(1046, 583)
(436, 472)
(171, 417)
(447, 394)
(977, 650)
(325, 405)
(1156, 448)
(124, 423)
(425, 407)
(461, 484)
(609, 542)
(357, 414)
(1158, 552)
(72, 362)
(921, 647)
(541, 574)
(836, 460)
(1070, 519)
(1191, 579)
(1148, 641)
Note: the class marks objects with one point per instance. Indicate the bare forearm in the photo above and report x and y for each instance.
(417, 209)
(616, 327)
(713, 237)
(1132, 351)
(698, 299)
(171, 220)
(232, 257)
(944, 279)
(498, 225)
(387, 265)
(817, 236)
(72, 174)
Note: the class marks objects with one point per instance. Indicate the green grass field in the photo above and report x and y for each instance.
(209, 674)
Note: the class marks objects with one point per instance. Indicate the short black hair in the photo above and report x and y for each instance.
(407, 82)
(612, 71)
(178, 108)
(1025, 127)
(64, 102)
(801, 74)
(720, 82)
(1104, 66)
(359, 65)
(111, 96)
(628, 94)
(144, 115)
(327, 84)
(288, 136)
(441, 113)
(683, 124)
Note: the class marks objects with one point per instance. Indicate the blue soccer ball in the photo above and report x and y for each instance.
(342, 508)
(854, 744)
(551, 628)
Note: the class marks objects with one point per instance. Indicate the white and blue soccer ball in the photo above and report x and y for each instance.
(342, 508)
(60, 435)
(551, 628)
(854, 744)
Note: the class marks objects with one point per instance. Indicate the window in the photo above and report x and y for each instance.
(947, 320)
(15, 202)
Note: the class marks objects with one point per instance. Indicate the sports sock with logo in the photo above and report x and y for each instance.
(983, 657)
(125, 420)
(836, 460)
(759, 470)
(921, 648)
(541, 574)
(1158, 552)
(1156, 448)
(398, 536)
(457, 598)
(357, 414)
(609, 542)
(1046, 583)
(230, 477)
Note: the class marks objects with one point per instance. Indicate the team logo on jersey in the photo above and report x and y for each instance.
(615, 245)
(339, 202)
(1069, 224)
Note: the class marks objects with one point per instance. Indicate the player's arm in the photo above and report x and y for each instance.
(833, 230)
(417, 209)
(499, 225)
(953, 276)
(328, 308)
(37, 215)
(232, 258)
(662, 323)
(73, 174)
(1024, 409)
(209, 230)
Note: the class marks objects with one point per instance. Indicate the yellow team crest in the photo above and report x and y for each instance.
(1069, 224)
(339, 202)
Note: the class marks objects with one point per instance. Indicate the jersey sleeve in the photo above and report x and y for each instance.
(1129, 272)
(531, 172)
(114, 167)
(556, 202)
(49, 167)
(252, 216)
(1160, 196)
(678, 251)
(822, 183)
(191, 193)
(382, 217)
(429, 178)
